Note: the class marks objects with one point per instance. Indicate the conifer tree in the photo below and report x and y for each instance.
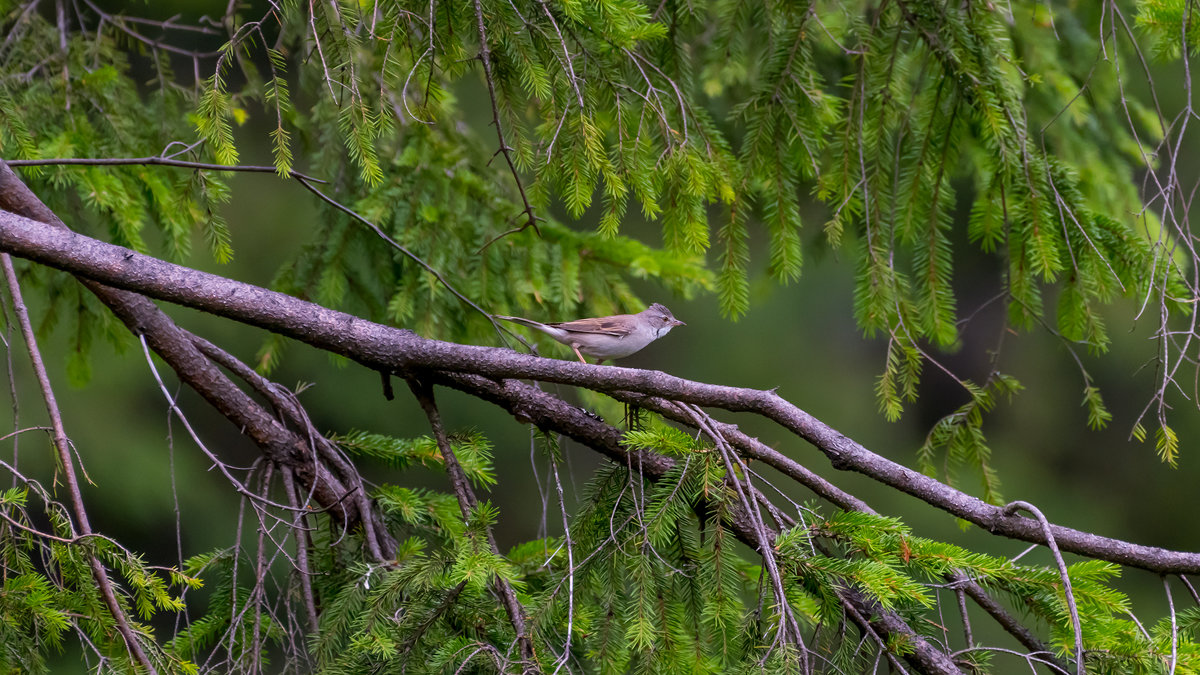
(483, 158)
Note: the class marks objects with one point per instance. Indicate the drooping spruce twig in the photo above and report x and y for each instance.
(467, 502)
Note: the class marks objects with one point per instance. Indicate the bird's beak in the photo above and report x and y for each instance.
(677, 322)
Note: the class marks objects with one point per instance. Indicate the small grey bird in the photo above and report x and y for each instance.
(608, 337)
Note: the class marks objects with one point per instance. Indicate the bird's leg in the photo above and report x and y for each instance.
(578, 354)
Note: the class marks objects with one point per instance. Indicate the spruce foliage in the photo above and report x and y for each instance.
(438, 141)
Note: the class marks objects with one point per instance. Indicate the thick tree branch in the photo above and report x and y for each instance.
(529, 402)
(384, 348)
(532, 405)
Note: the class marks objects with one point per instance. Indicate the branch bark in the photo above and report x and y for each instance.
(179, 349)
(402, 351)
(524, 401)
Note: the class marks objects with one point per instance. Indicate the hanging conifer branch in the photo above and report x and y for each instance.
(953, 151)
(383, 348)
(467, 503)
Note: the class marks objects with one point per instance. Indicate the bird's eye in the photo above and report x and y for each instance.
(664, 318)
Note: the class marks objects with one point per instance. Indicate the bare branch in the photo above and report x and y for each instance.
(158, 161)
(67, 465)
(1012, 507)
(300, 532)
(390, 349)
(485, 57)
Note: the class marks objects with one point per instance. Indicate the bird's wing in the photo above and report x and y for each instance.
(617, 326)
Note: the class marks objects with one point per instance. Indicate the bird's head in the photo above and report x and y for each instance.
(661, 319)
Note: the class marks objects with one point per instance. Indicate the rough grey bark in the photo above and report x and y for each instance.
(404, 353)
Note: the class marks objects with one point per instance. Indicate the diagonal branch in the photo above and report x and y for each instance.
(391, 349)
(344, 334)
(178, 348)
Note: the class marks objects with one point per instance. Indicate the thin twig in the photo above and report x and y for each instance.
(67, 465)
(485, 57)
(300, 533)
(285, 403)
(466, 504)
(158, 161)
(10, 371)
(1048, 533)
(1191, 589)
(1174, 626)
(500, 328)
(119, 23)
(961, 596)
(217, 462)
(570, 546)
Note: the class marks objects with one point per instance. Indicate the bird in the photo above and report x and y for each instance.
(608, 337)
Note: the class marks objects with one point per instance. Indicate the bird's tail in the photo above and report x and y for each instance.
(527, 322)
(531, 323)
